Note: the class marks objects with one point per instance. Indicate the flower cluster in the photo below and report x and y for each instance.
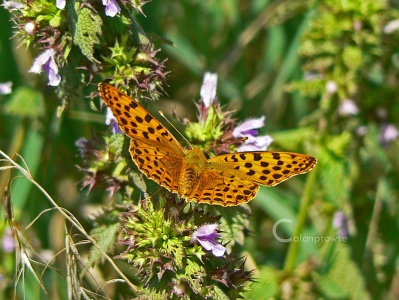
(103, 164)
(5, 88)
(176, 249)
(216, 129)
(59, 28)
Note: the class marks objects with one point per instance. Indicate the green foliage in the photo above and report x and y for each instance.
(338, 282)
(106, 238)
(298, 63)
(86, 30)
(25, 103)
(159, 242)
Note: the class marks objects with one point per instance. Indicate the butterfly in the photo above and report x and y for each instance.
(227, 179)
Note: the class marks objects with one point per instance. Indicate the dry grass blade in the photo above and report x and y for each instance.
(68, 216)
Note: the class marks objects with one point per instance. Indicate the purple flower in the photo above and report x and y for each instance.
(110, 120)
(7, 241)
(208, 88)
(340, 222)
(392, 26)
(311, 76)
(60, 4)
(111, 8)
(331, 87)
(46, 62)
(206, 235)
(13, 5)
(5, 88)
(388, 134)
(348, 107)
(253, 142)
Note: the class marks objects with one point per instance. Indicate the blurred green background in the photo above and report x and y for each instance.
(325, 75)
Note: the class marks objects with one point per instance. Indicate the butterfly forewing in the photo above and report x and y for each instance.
(135, 120)
(266, 168)
(153, 148)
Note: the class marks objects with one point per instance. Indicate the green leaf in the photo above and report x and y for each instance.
(55, 21)
(333, 168)
(266, 285)
(88, 25)
(342, 273)
(193, 274)
(218, 294)
(105, 238)
(25, 102)
(233, 223)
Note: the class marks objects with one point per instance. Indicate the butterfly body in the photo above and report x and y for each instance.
(194, 163)
(227, 180)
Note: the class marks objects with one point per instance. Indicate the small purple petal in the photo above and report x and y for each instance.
(348, 107)
(251, 132)
(6, 88)
(307, 76)
(392, 26)
(52, 72)
(208, 88)
(206, 235)
(218, 250)
(331, 87)
(45, 61)
(60, 4)
(40, 61)
(13, 5)
(111, 8)
(110, 120)
(206, 230)
(340, 222)
(248, 126)
(388, 134)
(7, 242)
(207, 244)
(259, 143)
(361, 131)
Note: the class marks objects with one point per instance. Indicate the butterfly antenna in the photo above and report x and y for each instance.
(167, 120)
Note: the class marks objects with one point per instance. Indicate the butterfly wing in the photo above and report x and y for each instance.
(266, 168)
(233, 179)
(222, 188)
(153, 148)
(157, 163)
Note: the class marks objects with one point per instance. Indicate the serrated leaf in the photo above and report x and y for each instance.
(232, 224)
(55, 21)
(218, 294)
(193, 274)
(87, 27)
(333, 168)
(105, 238)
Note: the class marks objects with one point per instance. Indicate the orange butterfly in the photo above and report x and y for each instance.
(228, 179)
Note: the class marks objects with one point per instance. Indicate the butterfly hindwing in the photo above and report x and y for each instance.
(157, 163)
(215, 187)
(266, 168)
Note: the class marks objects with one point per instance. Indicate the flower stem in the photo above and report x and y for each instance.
(305, 203)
